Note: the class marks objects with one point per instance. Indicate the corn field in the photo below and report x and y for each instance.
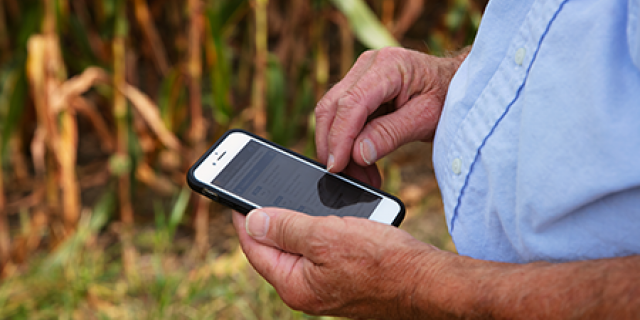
(104, 105)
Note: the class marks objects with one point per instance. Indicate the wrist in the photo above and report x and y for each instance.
(450, 286)
(459, 55)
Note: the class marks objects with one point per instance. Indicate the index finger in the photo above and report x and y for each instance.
(347, 113)
(326, 108)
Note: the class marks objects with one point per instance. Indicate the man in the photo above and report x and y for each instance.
(537, 154)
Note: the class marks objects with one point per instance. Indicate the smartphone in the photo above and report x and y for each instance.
(246, 172)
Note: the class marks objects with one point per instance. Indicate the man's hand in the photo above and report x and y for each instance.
(366, 270)
(334, 266)
(390, 97)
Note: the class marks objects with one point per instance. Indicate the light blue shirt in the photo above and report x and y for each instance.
(537, 153)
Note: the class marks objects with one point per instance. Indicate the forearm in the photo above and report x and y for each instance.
(464, 287)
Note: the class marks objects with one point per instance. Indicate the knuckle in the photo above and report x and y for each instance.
(318, 245)
(350, 111)
(352, 103)
(367, 55)
(284, 230)
(323, 108)
(387, 51)
(324, 236)
(398, 53)
(426, 118)
(391, 53)
(353, 98)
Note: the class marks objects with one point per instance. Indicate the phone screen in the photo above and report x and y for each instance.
(268, 177)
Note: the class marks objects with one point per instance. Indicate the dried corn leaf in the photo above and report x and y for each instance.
(149, 112)
(151, 34)
(158, 183)
(76, 86)
(87, 109)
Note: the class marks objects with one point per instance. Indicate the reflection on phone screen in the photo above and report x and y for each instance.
(269, 178)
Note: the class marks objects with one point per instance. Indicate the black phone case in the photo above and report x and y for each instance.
(244, 208)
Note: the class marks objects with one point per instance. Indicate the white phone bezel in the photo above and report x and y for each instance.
(386, 212)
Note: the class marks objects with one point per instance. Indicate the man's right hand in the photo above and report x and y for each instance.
(351, 135)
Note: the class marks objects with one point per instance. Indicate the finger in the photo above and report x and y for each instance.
(285, 271)
(255, 251)
(269, 261)
(374, 176)
(415, 121)
(326, 107)
(291, 231)
(357, 172)
(369, 174)
(375, 87)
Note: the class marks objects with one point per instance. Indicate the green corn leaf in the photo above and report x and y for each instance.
(121, 22)
(166, 100)
(178, 210)
(302, 107)
(276, 102)
(160, 219)
(29, 25)
(87, 226)
(12, 99)
(365, 24)
(221, 81)
(220, 17)
(86, 56)
(456, 16)
(223, 12)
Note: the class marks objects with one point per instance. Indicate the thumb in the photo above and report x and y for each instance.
(416, 120)
(280, 228)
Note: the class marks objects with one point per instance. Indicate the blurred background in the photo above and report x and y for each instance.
(105, 104)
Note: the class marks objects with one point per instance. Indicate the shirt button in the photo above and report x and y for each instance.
(520, 53)
(456, 166)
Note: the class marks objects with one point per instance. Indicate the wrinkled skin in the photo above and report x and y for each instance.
(409, 86)
(334, 266)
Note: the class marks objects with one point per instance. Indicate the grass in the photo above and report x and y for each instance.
(92, 286)
(85, 279)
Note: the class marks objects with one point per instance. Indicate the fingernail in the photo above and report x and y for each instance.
(330, 162)
(257, 224)
(368, 151)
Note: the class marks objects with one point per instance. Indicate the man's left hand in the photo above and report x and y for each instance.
(334, 266)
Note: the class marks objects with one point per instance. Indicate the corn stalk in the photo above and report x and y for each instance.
(197, 133)
(346, 43)
(122, 166)
(259, 85)
(321, 58)
(151, 34)
(68, 129)
(5, 241)
(55, 140)
(4, 37)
